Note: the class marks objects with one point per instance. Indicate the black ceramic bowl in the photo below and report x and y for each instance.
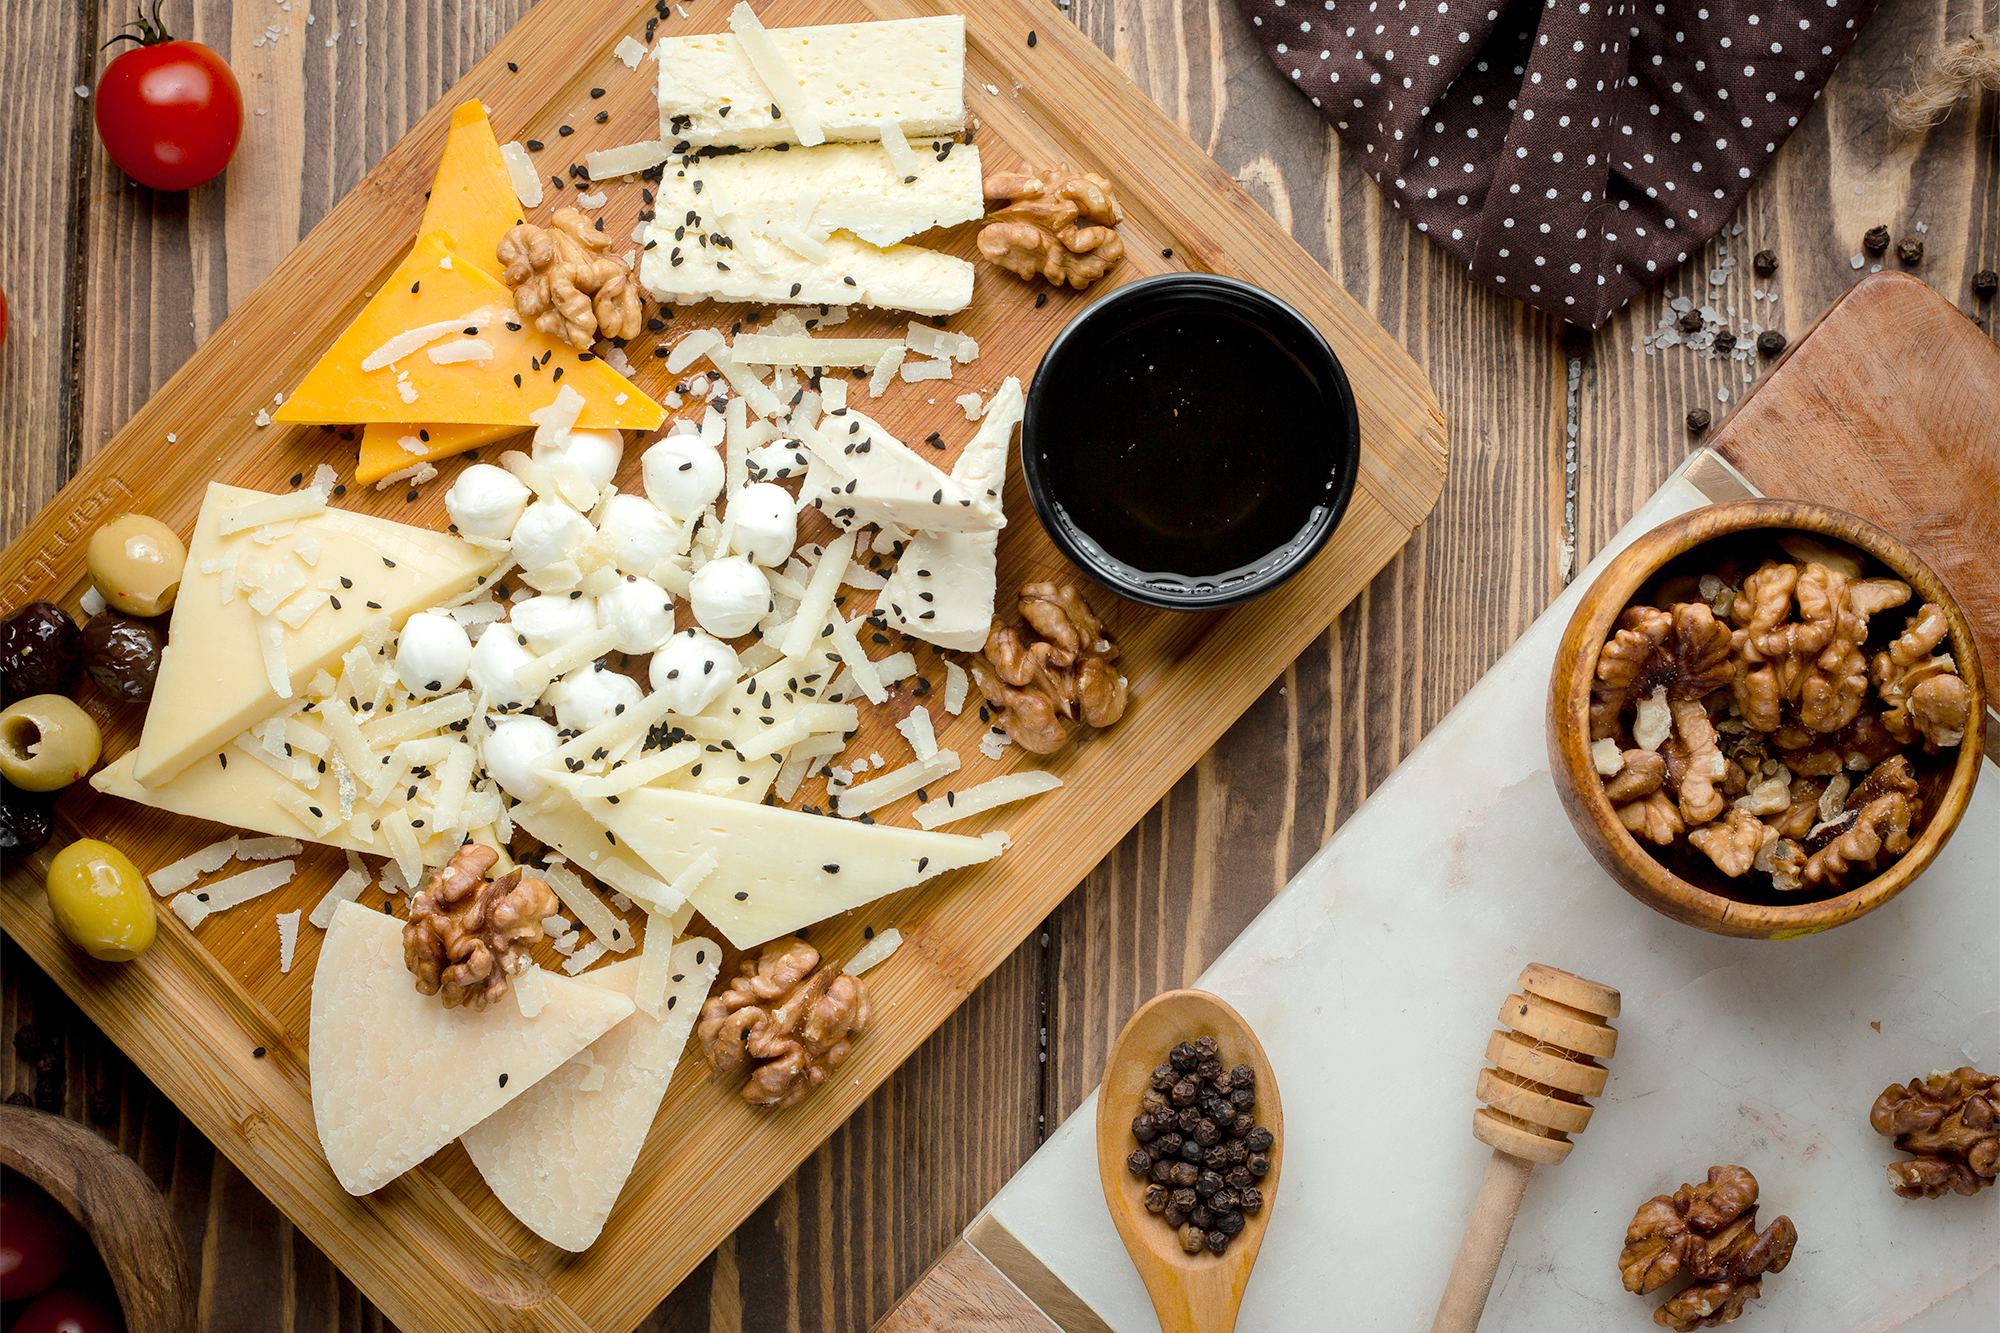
(1190, 441)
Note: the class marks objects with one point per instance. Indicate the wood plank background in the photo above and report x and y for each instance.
(112, 286)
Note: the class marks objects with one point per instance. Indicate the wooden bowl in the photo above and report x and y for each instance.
(1680, 881)
(118, 1208)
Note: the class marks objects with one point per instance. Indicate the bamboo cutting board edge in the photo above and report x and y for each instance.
(374, 1239)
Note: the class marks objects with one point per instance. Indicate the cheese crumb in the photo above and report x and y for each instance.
(288, 938)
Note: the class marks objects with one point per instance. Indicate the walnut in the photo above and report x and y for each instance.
(1951, 1123)
(467, 934)
(1883, 825)
(1699, 799)
(1709, 1232)
(1656, 819)
(1056, 223)
(1685, 650)
(567, 284)
(1060, 672)
(1734, 843)
(1640, 775)
(1941, 707)
(793, 1020)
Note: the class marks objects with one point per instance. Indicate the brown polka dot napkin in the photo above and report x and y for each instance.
(1569, 151)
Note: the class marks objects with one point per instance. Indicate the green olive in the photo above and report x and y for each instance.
(136, 563)
(101, 901)
(46, 743)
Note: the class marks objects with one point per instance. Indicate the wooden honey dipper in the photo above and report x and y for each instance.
(1547, 1065)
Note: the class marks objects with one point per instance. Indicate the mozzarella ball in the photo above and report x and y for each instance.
(766, 523)
(592, 695)
(644, 535)
(512, 748)
(546, 532)
(495, 658)
(486, 501)
(641, 611)
(553, 619)
(693, 670)
(682, 475)
(432, 654)
(594, 453)
(729, 596)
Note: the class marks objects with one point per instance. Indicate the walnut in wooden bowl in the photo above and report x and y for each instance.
(1754, 651)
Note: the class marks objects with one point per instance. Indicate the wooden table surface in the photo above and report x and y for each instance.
(111, 286)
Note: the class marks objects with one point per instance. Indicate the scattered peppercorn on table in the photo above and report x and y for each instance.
(863, 1218)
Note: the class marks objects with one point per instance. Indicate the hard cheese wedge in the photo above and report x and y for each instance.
(385, 366)
(472, 201)
(559, 1154)
(396, 1075)
(214, 681)
(388, 449)
(779, 869)
(855, 76)
(234, 789)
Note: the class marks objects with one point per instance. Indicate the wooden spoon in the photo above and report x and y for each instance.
(1192, 1293)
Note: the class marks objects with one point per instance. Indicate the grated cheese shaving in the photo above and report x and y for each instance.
(894, 786)
(956, 686)
(986, 796)
(625, 160)
(777, 74)
(875, 951)
(521, 174)
(288, 938)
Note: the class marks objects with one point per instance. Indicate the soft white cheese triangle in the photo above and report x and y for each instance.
(214, 680)
(942, 588)
(396, 1075)
(558, 1155)
(778, 869)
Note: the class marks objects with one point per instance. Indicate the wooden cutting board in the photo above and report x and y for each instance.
(208, 1016)
(1885, 408)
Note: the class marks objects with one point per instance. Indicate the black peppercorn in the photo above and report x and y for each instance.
(1698, 419)
(1169, 1145)
(1250, 1198)
(1186, 1119)
(1152, 1099)
(1209, 1068)
(1876, 240)
(1138, 1163)
(1229, 1223)
(1156, 1198)
(1207, 1183)
(1164, 1077)
(1765, 263)
(1690, 321)
(1191, 1151)
(1216, 1158)
(1185, 1200)
(1259, 1140)
(1243, 1076)
(1174, 1216)
(1184, 1093)
(1184, 1174)
(1218, 1241)
(1725, 341)
(1910, 250)
(1243, 1099)
(1985, 283)
(1239, 1178)
(1143, 1129)
(1222, 1201)
(1205, 1048)
(1163, 1173)
(1770, 342)
(1235, 1151)
(1258, 1165)
(1224, 1117)
(1183, 1058)
(1200, 1216)
(1206, 1134)
(1192, 1236)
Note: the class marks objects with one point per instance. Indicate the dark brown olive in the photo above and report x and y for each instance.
(40, 652)
(27, 819)
(122, 654)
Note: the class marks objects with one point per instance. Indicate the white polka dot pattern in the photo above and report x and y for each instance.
(1569, 152)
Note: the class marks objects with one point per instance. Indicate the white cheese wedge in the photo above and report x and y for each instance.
(860, 191)
(942, 589)
(245, 794)
(396, 1075)
(982, 468)
(558, 1155)
(763, 271)
(777, 869)
(213, 683)
(854, 76)
(557, 820)
(876, 478)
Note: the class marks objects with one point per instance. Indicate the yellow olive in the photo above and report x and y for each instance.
(101, 902)
(136, 564)
(46, 743)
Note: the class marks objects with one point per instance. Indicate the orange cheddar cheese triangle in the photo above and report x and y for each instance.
(387, 449)
(472, 200)
(407, 356)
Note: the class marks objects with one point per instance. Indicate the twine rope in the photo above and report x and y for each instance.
(1968, 63)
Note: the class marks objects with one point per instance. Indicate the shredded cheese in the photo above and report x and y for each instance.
(986, 796)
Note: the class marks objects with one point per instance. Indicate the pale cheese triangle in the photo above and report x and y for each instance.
(233, 788)
(779, 870)
(558, 1156)
(213, 683)
(396, 1075)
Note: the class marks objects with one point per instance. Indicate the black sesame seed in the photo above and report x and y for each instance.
(565, 130)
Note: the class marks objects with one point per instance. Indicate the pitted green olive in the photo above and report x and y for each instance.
(46, 743)
(136, 563)
(100, 901)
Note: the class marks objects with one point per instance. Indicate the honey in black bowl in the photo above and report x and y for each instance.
(1190, 441)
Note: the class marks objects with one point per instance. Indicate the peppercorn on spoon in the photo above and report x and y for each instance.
(1191, 1293)
(1546, 1065)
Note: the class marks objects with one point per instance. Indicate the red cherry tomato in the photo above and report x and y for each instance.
(169, 112)
(69, 1310)
(37, 1239)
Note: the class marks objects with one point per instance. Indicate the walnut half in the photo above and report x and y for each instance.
(790, 1019)
(467, 934)
(1951, 1124)
(1709, 1231)
(1057, 674)
(566, 283)
(1057, 224)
